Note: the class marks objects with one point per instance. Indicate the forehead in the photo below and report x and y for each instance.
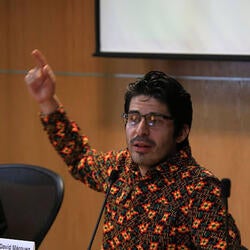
(146, 104)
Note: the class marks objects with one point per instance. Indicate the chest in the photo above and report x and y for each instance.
(158, 203)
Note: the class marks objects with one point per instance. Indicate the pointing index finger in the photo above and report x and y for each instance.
(40, 58)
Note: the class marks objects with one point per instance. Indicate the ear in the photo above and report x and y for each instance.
(183, 134)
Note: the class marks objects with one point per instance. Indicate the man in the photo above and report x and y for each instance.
(162, 198)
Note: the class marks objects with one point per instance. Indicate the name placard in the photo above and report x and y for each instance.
(10, 244)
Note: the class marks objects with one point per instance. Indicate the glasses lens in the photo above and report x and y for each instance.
(155, 120)
(134, 118)
(151, 120)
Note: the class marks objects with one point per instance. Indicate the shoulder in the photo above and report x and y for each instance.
(199, 173)
(205, 184)
(113, 158)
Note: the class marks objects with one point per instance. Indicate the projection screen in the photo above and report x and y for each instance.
(173, 28)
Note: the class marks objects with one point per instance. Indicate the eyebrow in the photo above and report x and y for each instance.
(169, 117)
(133, 111)
(150, 113)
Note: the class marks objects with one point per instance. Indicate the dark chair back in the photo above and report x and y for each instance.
(31, 197)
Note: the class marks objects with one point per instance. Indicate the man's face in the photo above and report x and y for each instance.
(149, 145)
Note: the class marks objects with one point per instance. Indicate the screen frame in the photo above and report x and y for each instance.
(180, 56)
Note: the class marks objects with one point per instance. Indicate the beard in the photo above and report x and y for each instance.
(142, 159)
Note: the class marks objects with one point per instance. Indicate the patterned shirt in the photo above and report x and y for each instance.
(177, 205)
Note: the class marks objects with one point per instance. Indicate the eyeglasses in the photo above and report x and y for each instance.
(152, 119)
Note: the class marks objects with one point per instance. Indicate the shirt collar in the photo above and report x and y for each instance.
(182, 157)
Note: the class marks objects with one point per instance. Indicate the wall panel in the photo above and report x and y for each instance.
(92, 91)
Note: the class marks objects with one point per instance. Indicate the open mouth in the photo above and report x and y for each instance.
(141, 147)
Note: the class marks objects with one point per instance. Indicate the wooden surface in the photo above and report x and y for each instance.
(92, 90)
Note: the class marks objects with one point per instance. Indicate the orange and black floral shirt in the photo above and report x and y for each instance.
(177, 205)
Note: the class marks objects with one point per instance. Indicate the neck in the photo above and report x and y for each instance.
(143, 170)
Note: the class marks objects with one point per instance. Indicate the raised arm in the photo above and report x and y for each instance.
(41, 84)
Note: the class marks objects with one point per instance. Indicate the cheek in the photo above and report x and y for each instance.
(128, 134)
(164, 140)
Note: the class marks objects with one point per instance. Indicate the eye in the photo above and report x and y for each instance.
(155, 120)
(151, 120)
(133, 118)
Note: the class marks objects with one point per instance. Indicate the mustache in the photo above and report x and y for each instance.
(142, 139)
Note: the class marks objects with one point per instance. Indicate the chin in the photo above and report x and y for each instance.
(143, 160)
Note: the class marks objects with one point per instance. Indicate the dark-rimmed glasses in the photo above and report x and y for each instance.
(152, 119)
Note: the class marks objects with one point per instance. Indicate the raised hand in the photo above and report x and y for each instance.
(41, 83)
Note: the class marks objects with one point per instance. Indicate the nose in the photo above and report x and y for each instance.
(142, 127)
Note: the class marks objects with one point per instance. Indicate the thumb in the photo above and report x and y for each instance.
(47, 71)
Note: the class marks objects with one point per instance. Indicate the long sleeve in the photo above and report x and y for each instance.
(83, 162)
